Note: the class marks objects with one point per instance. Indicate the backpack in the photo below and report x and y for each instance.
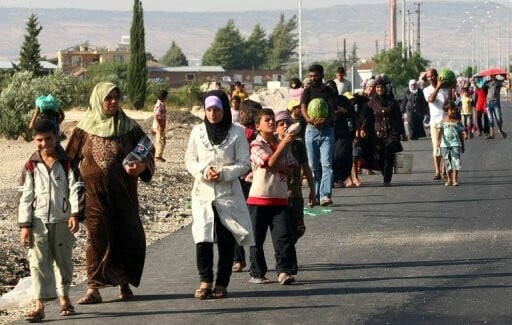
(30, 166)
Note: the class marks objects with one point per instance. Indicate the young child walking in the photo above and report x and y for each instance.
(467, 112)
(271, 162)
(51, 200)
(450, 136)
(295, 198)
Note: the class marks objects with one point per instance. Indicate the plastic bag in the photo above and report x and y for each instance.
(20, 296)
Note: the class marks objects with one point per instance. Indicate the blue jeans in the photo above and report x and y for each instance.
(320, 148)
(494, 113)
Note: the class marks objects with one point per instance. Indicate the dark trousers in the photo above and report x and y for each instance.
(277, 219)
(387, 162)
(239, 254)
(225, 247)
(482, 122)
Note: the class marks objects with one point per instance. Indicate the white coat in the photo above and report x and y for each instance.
(232, 157)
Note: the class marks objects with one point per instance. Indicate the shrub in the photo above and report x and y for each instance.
(17, 100)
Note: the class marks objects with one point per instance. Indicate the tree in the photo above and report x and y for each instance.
(227, 49)
(282, 43)
(137, 69)
(30, 54)
(352, 57)
(174, 57)
(256, 48)
(397, 68)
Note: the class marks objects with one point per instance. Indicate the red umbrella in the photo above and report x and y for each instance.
(492, 72)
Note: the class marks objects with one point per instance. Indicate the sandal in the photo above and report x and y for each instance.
(125, 292)
(67, 310)
(219, 293)
(286, 279)
(203, 293)
(90, 299)
(238, 266)
(34, 316)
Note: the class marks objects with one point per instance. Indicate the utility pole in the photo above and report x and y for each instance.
(408, 43)
(404, 53)
(392, 19)
(376, 47)
(299, 4)
(345, 53)
(418, 15)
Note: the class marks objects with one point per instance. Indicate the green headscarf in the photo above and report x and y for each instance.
(97, 122)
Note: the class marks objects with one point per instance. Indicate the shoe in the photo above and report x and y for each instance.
(67, 310)
(448, 183)
(34, 316)
(218, 293)
(125, 292)
(436, 177)
(203, 293)
(455, 184)
(238, 267)
(338, 184)
(357, 182)
(262, 280)
(503, 134)
(325, 201)
(386, 184)
(160, 159)
(90, 299)
(286, 279)
(488, 137)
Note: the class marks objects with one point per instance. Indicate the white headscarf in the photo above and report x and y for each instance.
(413, 86)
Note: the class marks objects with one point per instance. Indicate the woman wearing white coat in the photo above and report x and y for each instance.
(217, 155)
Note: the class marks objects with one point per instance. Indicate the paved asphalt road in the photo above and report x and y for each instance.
(414, 253)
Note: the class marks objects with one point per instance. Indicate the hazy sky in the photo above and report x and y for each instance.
(174, 5)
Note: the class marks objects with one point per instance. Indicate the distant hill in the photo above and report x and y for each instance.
(446, 37)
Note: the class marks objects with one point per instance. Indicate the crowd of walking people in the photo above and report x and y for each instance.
(249, 165)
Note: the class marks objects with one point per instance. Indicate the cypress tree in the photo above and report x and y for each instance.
(137, 70)
(30, 54)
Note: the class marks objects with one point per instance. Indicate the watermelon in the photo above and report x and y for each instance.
(318, 108)
(448, 76)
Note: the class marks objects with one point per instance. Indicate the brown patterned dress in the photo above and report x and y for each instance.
(116, 244)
